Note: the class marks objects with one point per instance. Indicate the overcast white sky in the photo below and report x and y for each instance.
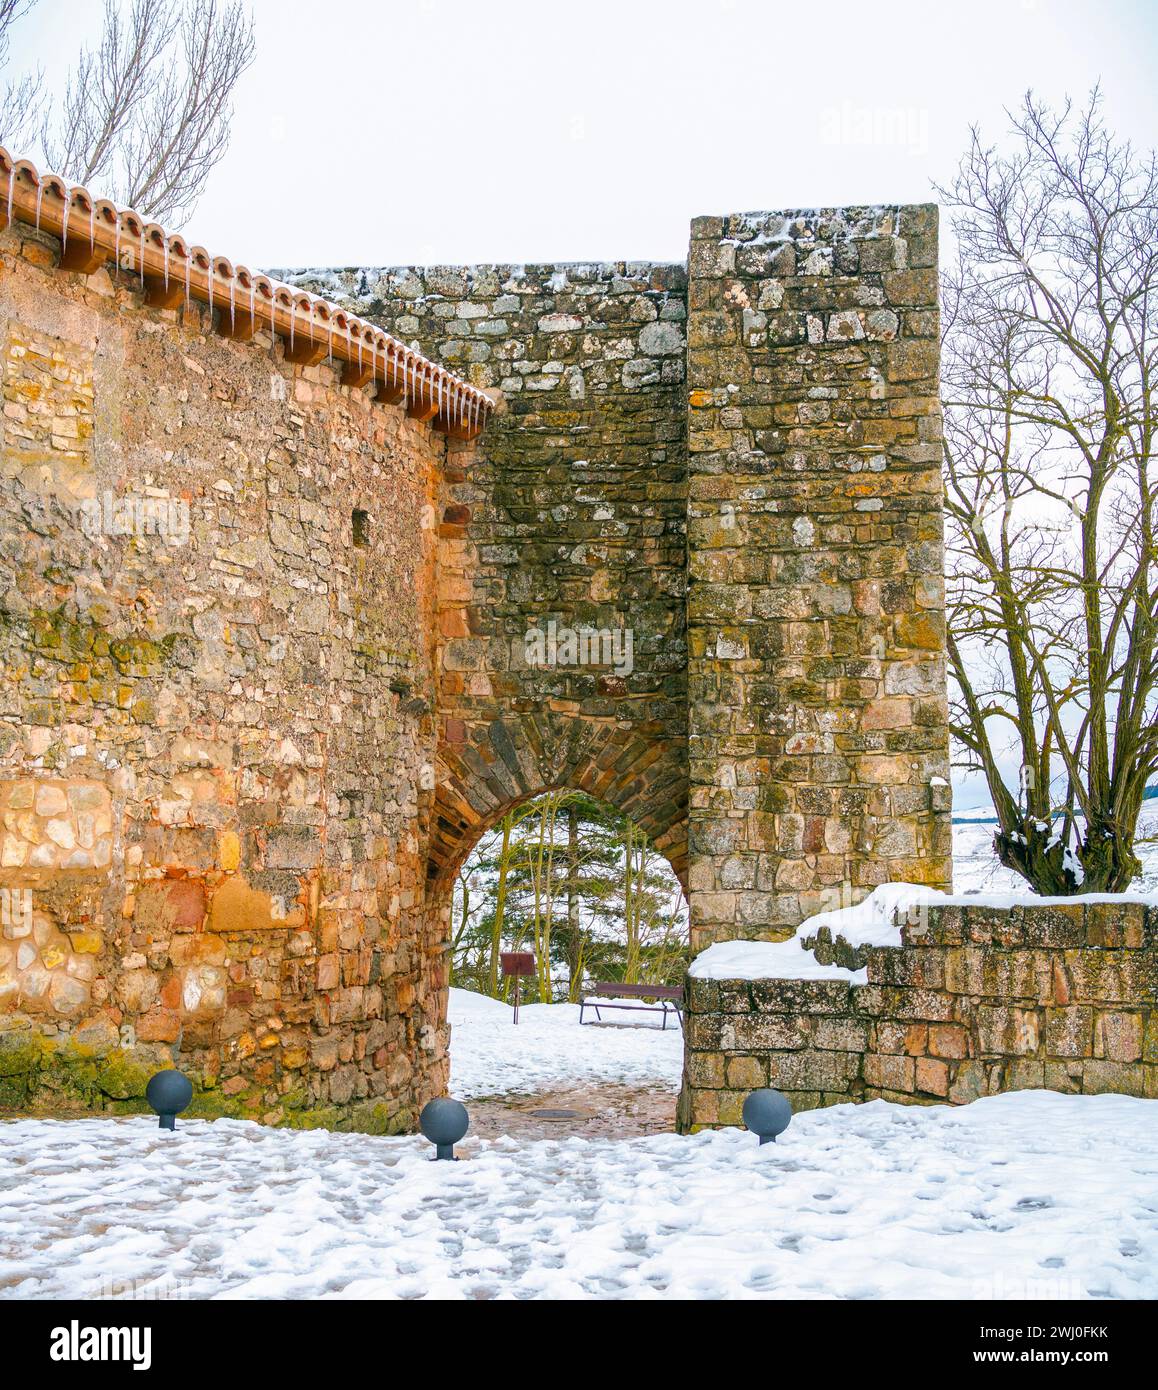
(393, 131)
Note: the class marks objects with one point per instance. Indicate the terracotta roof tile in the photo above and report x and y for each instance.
(93, 230)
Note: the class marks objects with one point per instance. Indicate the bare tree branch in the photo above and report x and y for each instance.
(169, 157)
(146, 114)
(20, 98)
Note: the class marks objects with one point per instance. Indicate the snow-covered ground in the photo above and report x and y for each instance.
(490, 1055)
(1030, 1194)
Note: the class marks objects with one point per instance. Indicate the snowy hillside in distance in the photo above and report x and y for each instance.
(976, 868)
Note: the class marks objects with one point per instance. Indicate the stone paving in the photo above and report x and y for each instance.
(599, 1111)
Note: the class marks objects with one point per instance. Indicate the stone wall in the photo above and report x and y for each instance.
(572, 514)
(216, 708)
(976, 1001)
(817, 705)
(250, 727)
(770, 530)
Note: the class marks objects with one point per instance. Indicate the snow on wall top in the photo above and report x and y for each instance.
(876, 921)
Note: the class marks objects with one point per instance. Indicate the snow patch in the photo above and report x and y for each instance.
(767, 960)
(491, 1055)
(873, 922)
(877, 921)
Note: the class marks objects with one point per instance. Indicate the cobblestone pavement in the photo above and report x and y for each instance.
(597, 1111)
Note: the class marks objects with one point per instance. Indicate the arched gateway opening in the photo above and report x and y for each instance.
(587, 1037)
(561, 619)
(508, 766)
(577, 884)
(641, 774)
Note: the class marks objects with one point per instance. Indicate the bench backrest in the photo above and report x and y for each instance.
(612, 989)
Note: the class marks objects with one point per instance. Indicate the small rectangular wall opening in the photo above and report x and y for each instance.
(360, 524)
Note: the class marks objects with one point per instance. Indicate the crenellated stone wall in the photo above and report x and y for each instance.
(216, 708)
(977, 1000)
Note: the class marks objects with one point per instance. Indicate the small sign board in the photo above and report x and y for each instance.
(517, 963)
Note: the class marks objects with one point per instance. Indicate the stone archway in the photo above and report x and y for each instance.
(571, 517)
(565, 517)
(508, 761)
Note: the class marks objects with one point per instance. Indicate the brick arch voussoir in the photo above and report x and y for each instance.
(499, 764)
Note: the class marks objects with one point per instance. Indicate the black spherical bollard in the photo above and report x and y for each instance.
(444, 1122)
(767, 1113)
(169, 1093)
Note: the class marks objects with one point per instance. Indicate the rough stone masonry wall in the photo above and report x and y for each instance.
(976, 1001)
(573, 512)
(212, 850)
(819, 750)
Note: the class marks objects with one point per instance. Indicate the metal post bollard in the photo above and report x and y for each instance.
(444, 1122)
(767, 1113)
(169, 1092)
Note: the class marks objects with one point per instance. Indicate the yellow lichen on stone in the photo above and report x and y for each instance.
(236, 907)
(229, 851)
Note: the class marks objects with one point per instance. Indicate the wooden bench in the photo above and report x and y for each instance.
(669, 997)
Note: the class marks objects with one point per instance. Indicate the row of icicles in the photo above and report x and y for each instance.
(467, 405)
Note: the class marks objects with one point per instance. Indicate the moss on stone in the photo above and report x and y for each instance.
(324, 1117)
(377, 1118)
(121, 1076)
(13, 1093)
(45, 1073)
(40, 1075)
(213, 1105)
(21, 1053)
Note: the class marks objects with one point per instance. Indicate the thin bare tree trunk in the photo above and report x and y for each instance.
(500, 904)
(573, 943)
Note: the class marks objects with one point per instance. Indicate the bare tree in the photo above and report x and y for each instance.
(20, 100)
(146, 114)
(1049, 367)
